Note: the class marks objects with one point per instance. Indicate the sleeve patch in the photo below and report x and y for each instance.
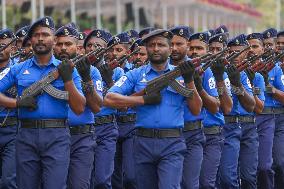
(228, 84)
(248, 82)
(4, 72)
(99, 85)
(282, 79)
(120, 82)
(212, 83)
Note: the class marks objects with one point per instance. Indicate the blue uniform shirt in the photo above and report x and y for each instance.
(218, 118)
(167, 114)
(28, 72)
(117, 74)
(87, 117)
(237, 107)
(128, 66)
(259, 83)
(209, 85)
(4, 111)
(276, 79)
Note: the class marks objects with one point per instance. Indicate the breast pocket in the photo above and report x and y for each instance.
(23, 84)
(172, 97)
(58, 84)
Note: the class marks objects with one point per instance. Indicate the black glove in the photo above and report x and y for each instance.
(218, 70)
(65, 70)
(106, 73)
(197, 82)
(265, 77)
(234, 76)
(250, 74)
(151, 99)
(27, 102)
(187, 70)
(84, 69)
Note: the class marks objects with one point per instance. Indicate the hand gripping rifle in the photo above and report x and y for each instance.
(168, 79)
(44, 84)
(209, 63)
(117, 63)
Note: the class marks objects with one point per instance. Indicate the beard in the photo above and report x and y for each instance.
(64, 56)
(3, 58)
(42, 49)
(158, 58)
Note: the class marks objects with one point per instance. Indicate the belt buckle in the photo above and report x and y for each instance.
(157, 133)
(39, 124)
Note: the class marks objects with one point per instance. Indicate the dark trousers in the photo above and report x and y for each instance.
(8, 157)
(43, 157)
(211, 160)
(124, 170)
(239, 157)
(278, 151)
(158, 162)
(193, 157)
(265, 129)
(81, 161)
(106, 137)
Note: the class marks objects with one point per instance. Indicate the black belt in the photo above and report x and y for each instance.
(126, 118)
(192, 125)
(239, 119)
(212, 130)
(9, 121)
(43, 123)
(272, 110)
(81, 129)
(104, 120)
(158, 133)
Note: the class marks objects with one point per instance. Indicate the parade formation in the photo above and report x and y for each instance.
(149, 109)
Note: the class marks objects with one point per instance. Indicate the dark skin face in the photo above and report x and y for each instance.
(269, 43)
(92, 45)
(28, 48)
(215, 47)
(238, 49)
(5, 54)
(19, 42)
(280, 43)
(158, 49)
(80, 47)
(256, 47)
(141, 57)
(179, 48)
(197, 48)
(65, 47)
(119, 50)
(42, 40)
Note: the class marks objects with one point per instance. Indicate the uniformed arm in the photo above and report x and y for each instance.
(77, 101)
(7, 101)
(93, 99)
(247, 101)
(278, 95)
(116, 100)
(259, 105)
(194, 103)
(226, 102)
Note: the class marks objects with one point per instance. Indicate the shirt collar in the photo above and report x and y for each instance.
(52, 60)
(168, 67)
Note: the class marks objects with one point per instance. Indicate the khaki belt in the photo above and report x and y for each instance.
(43, 123)
(10, 121)
(126, 118)
(158, 133)
(192, 125)
(81, 129)
(212, 130)
(272, 110)
(239, 119)
(104, 120)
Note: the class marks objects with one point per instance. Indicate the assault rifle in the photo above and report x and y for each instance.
(44, 84)
(168, 79)
(117, 63)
